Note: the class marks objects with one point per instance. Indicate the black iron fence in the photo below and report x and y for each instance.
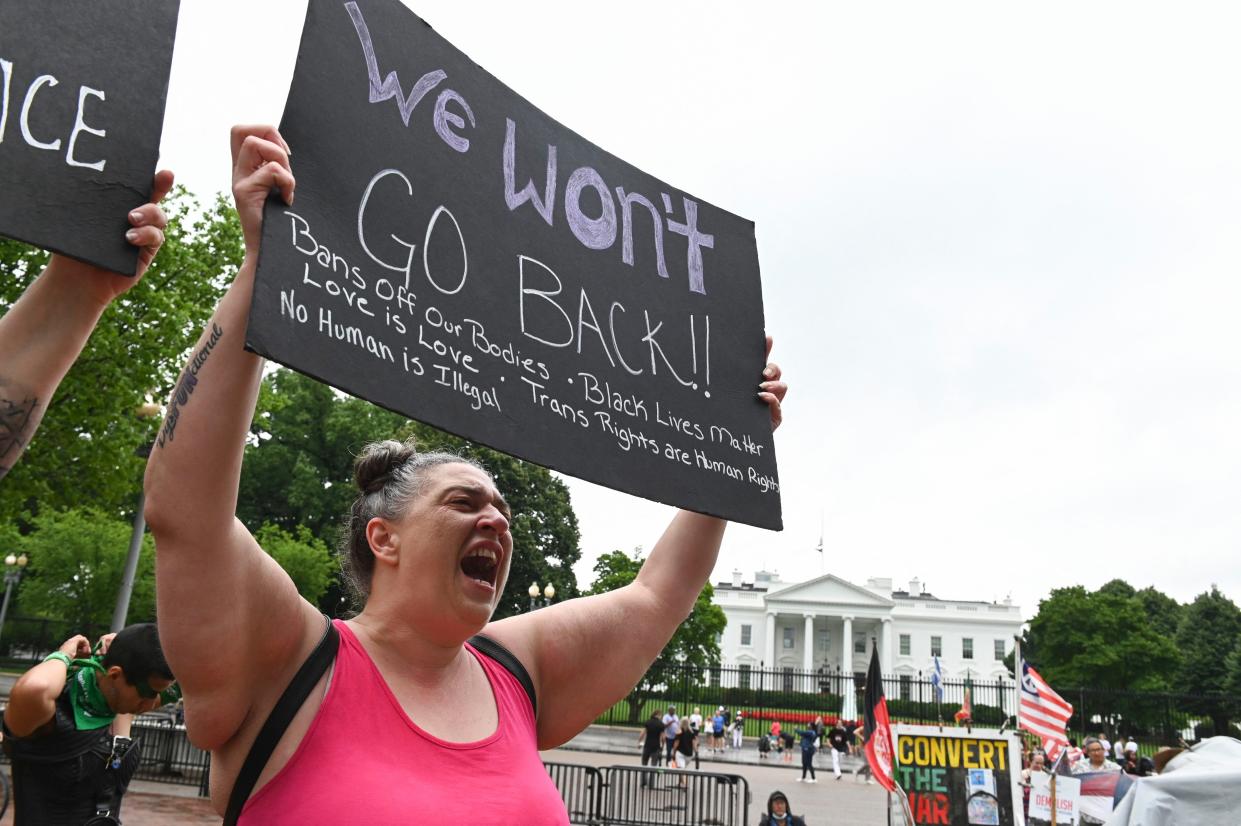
(796, 697)
(634, 796)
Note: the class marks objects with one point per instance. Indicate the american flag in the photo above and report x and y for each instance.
(1043, 712)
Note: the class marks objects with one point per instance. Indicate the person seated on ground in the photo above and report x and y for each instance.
(67, 725)
(778, 813)
(1134, 764)
(1094, 758)
(43, 333)
(417, 715)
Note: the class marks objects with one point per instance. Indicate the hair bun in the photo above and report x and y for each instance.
(375, 464)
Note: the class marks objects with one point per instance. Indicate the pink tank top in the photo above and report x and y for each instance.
(364, 761)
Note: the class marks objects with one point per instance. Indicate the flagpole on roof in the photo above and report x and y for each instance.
(822, 556)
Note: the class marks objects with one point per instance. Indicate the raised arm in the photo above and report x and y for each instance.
(32, 700)
(44, 332)
(230, 618)
(562, 644)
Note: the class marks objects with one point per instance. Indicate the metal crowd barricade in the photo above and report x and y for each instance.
(581, 788)
(167, 754)
(639, 796)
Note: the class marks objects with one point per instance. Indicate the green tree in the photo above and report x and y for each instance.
(1163, 612)
(306, 559)
(77, 560)
(1207, 637)
(298, 471)
(694, 643)
(84, 451)
(1101, 639)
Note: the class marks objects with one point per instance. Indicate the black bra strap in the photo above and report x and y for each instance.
(511, 664)
(281, 715)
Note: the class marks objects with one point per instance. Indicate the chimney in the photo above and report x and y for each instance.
(736, 578)
(915, 587)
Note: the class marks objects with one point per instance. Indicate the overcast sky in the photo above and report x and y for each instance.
(1000, 257)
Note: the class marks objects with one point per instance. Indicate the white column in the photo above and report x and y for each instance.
(808, 655)
(885, 649)
(846, 642)
(769, 660)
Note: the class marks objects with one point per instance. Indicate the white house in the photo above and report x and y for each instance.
(828, 623)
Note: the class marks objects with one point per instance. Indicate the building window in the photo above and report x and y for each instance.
(786, 681)
(905, 645)
(746, 631)
(906, 684)
(999, 650)
(825, 641)
(788, 637)
(937, 646)
(715, 676)
(743, 676)
(967, 648)
(859, 643)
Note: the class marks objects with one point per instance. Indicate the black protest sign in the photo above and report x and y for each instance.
(456, 255)
(82, 90)
(959, 777)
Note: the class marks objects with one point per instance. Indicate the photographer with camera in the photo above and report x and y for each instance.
(66, 728)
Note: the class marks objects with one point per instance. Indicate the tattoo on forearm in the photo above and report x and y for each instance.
(16, 416)
(185, 387)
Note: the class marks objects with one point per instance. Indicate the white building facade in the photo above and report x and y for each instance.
(828, 623)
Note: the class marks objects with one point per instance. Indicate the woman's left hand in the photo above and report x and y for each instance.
(772, 390)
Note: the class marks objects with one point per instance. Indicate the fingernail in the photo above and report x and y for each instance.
(132, 235)
(135, 216)
(769, 372)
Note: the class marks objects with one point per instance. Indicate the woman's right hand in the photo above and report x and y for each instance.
(260, 162)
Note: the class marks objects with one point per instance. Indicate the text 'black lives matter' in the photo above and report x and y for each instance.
(460, 257)
(82, 91)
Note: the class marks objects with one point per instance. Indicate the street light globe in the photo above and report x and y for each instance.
(10, 560)
(533, 590)
(549, 591)
(22, 561)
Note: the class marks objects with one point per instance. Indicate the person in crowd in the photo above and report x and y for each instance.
(1072, 754)
(838, 742)
(67, 725)
(651, 740)
(777, 740)
(778, 813)
(1094, 759)
(764, 746)
(738, 729)
(1038, 763)
(1133, 763)
(686, 748)
(858, 732)
(1118, 748)
(672, 727)
(787, 741)
(853, 731)
(43, 333)
(427, 548)
(1107, 744)
(695, 720)
(809, 738)
(717, 730)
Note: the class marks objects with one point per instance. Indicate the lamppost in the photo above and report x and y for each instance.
(14, 566)
(147, 410)
(548, 593)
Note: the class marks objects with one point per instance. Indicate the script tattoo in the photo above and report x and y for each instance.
(185, 387)
(15, 418)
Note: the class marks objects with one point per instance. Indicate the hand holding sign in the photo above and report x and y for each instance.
(771, 391)
(260, 164)
(43, 333)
